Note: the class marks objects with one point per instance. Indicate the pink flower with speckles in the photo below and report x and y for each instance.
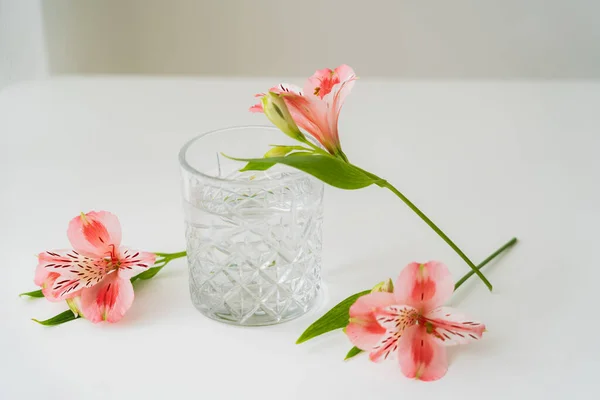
(94, 277)
(316, 107)
(412, 323)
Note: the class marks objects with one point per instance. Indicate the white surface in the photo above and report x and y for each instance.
(486, 160)
(425, 39)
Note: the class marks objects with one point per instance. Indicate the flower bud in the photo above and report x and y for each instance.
(385, 286)
(275, 109)
(279, 151)
(75, 305)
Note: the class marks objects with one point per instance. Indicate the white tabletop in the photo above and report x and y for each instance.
(486, 160)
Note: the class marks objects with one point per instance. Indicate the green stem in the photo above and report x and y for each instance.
(342, 155)
(383, 183)
(425, 218)
(508, 244)
(338, 153)
(437, 230)
(165, 258)
(172, 256)
(317, 149)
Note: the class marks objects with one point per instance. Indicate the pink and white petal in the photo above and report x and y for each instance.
(308, 115)
(367, 304)
(345, 73)
(451, 327)
(95, 233)
(47, 283)
(107, 301)
(40, 275)
(74, 270)
(49, 259)
(386, 346)
(309, 112)
(424, 286)
(286, 88)
(347, 79)
(341, 91)
(338, 100)
(257, 108)
(51, 295)
(364, 332)
(421, 356)
(134, 261)
(66, 286)
(396, 317)
(320, 83)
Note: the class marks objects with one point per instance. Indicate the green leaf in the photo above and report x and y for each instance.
(61, 318)
(336, 318)
(35, 293)
(252, 166)
(282, 150)
(330, 170)
(147, 274)
(263, 166)
(353, 352)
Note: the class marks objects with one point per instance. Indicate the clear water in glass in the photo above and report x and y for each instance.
(253, 241)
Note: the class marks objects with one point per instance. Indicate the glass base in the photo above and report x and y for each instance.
(260, 317)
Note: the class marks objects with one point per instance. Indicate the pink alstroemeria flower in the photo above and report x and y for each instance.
(316, 107)
(94, 277)
(412, 322)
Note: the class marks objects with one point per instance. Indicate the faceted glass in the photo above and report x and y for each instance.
(253, 237)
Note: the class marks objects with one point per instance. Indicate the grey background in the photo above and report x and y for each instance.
(437, 39)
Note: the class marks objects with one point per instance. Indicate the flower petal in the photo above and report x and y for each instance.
(321, 83)
(364, 334)
(133, 261)
(46, 286)
(387, 344)
(345, 73)
(424, 286)
(395, 319)
(308, 114)
(109, 300)
(451, 327)
(329, 88)
(257, 108)
(370, 302)
(286, 88)
(363, 330)
(420, 355)
(47, 260)
(300, 108)
(95, 233)
(347, 78)
(74, 272)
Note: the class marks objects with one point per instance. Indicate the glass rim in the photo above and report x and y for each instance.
(292, 176)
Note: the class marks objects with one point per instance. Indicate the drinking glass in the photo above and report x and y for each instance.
(254, 237)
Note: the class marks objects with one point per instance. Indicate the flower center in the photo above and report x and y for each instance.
(326, 84)
(112, 261)
(112, 265)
